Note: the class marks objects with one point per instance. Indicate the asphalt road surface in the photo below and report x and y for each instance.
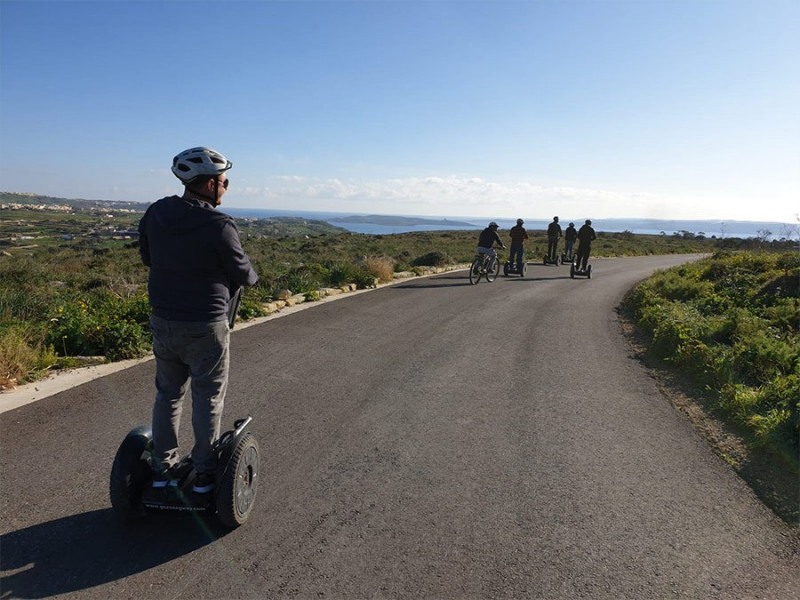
(429, 439)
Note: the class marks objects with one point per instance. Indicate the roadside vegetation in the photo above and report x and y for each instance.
(730, 326)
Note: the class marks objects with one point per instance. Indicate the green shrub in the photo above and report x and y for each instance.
(299, 281)
(249, 308)
(100, 323)
(730, 323)
(432, 259)
(340, 274)
(344, 273)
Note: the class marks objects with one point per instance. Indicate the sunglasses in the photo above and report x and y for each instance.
(224, 183)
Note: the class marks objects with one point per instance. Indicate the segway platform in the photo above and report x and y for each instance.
(235, 486)
(574, 271)
(510, 268)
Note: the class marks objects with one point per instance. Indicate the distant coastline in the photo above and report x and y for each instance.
(399, 221)
(389, 224)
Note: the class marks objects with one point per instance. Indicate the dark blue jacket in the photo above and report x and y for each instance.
(488, 237)
(554, 230)
(195, 258)
(586, 235)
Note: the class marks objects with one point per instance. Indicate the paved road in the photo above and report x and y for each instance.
(430, 439)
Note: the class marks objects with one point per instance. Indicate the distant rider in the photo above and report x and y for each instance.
(553, 233)
(570, 235)
(518, 236)
(486, 241)
(586, 236)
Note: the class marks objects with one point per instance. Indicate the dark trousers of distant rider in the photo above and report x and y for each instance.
(569, 245)
(582, 257)
(517, 252)
(552, 247)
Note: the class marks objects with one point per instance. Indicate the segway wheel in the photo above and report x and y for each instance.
(524, 270)
(505, 270)
(130, 473)
(572, 270)
(239, 484)
(589, 272)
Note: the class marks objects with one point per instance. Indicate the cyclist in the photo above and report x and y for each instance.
(518, 236)
(196, 259)
(553, 233)
(486, 241)
(586, 236)
(570, 235)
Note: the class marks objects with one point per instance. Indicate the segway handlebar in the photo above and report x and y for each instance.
(233, 305)
(240, 425)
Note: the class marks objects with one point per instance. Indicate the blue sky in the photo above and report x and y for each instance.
(675, 109)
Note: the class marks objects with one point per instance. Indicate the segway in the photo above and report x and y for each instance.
(236, 481)
(510, 268)
(551, 261)
(576, 271)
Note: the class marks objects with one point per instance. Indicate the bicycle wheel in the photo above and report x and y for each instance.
(491, 274)
(475, 271)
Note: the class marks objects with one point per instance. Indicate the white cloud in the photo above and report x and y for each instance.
(469, 196)
(447, 195)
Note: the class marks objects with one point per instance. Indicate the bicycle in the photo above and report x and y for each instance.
(480, 268)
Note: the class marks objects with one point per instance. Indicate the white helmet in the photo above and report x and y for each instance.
(196, 162)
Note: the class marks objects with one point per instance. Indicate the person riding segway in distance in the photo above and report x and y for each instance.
(517, 254)
(553, 233)
(486, 242)
(570, 235)
(586, 236)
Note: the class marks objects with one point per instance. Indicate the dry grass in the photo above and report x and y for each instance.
(380, 267)
(17, 356)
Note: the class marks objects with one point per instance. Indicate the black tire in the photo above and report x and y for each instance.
(572, 270)
(524, 270)
(505, 270)
(544, 260)
(492, 274)
(475, 271)
(130, 473)
(589, 272)
(239, 483)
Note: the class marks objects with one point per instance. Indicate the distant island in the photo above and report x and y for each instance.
(396, 221)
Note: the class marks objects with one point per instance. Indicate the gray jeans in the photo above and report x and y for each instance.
(189, 350)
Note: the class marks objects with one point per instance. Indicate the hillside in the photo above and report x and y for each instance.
(46, 219)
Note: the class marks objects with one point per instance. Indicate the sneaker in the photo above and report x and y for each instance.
(162, 480)
(203, 483)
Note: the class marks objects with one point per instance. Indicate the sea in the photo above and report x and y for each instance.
(708, 228)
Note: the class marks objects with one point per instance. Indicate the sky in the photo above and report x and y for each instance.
(667, 109)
